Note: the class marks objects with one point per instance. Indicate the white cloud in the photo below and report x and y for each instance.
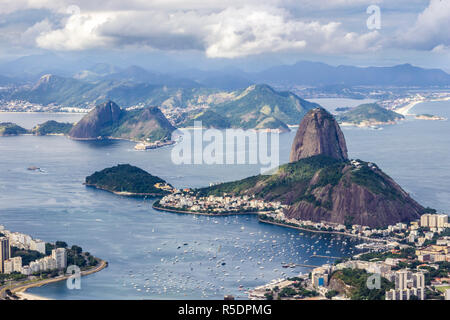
(227, 33)
(79, 33)
(431, 29)
(230, 28)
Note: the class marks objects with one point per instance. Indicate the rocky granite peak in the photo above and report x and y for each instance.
(93, 124)
(318, 134)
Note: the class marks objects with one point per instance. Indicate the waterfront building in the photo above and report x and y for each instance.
(5, 252)
(320, 275)
(35, 266)
(8, 267)
(37, 245)
(13, 265)
(26, 270)
(60, 256)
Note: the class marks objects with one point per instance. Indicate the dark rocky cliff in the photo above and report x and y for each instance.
(97, 121)
(109, 120)
(318, 133)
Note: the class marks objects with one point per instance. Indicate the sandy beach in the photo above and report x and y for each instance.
(20, 290)
(407, 108)
(29, 296)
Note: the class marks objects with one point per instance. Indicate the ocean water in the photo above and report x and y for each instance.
(158, 255)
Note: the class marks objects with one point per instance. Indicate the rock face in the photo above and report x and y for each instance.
(93, 125)
(376, 201)
(321, 184)
(318, 134)
(109, 120)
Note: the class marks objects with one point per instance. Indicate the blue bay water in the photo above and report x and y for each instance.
(155, 255)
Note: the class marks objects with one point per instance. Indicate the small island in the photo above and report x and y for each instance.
(52, 127)
(128, 180)
(369, 114)
(429, 117)
(11, 129)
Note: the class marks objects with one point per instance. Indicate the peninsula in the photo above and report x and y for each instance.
(27, 262)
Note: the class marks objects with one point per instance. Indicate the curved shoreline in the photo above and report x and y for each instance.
(405, 110)
(21, 288)
(320, 231)
(268, 222)
(125, 194)
(205, 213)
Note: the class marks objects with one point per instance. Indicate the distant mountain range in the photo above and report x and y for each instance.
(320, 74)
(257, 106)
(307, 73)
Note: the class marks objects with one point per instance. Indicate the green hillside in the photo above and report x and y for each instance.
(11, 129)
(254, 104)
(52, 127)
(369, 112)
(125, 178)
(209, 119)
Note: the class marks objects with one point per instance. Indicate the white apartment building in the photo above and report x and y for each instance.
(60, 256)
(434, 220)
(406, 285)
(13, 265)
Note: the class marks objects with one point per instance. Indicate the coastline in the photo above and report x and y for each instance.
(368, 124)
(44, 112)
(20, 289)
(268, 222)
(319, 231)
(407, 108)
(124, 193)
(205, 213)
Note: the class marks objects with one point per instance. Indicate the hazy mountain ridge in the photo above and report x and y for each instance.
(319, 74)
(258, 106)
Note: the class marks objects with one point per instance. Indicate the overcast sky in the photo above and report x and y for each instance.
(231, 31)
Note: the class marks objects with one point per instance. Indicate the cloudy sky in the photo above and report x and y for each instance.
(244, 32)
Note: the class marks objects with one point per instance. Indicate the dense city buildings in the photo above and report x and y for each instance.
(56, 261)
(409, 261)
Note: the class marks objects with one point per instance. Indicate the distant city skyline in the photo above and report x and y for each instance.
(250, 35)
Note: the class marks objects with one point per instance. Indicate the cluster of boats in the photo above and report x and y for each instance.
(216, 266)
